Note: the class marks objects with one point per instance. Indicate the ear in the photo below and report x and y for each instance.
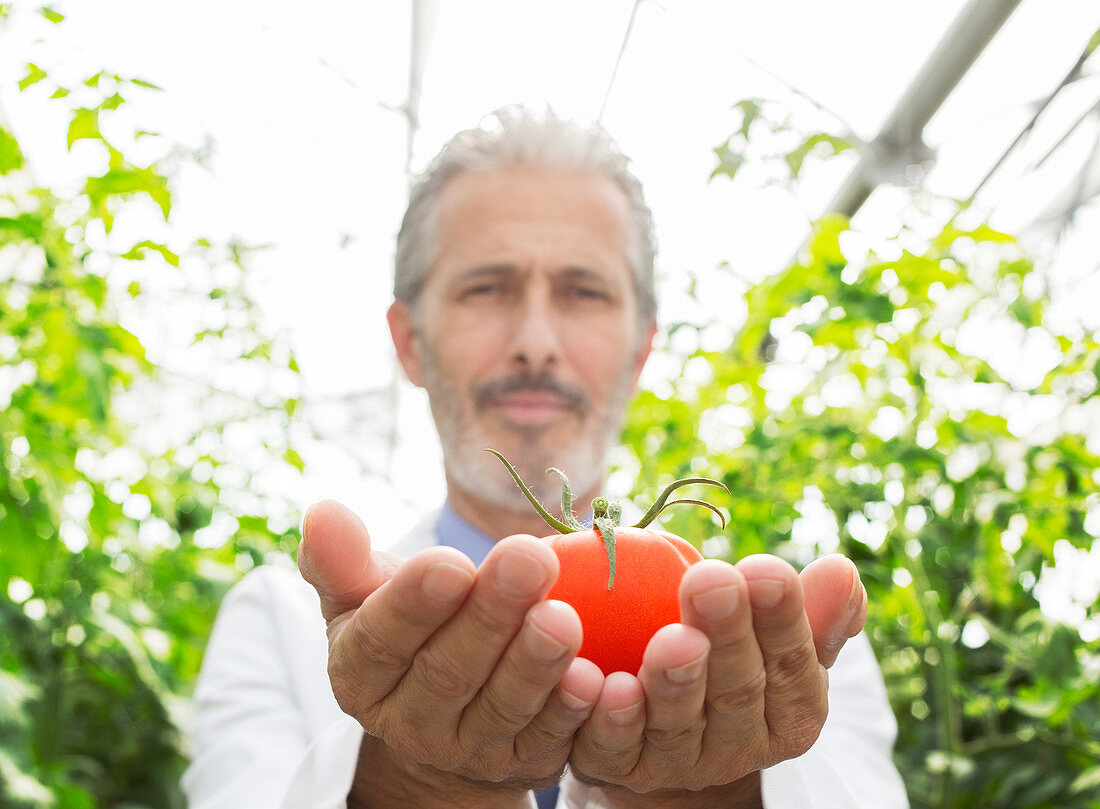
(405, 340)
(645, 345)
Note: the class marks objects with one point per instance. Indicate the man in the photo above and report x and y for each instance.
(524, 305)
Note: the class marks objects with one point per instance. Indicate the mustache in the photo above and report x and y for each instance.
(525, 381)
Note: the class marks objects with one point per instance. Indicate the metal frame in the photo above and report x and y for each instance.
(899, 143)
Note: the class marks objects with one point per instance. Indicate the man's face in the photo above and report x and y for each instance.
(527, 335)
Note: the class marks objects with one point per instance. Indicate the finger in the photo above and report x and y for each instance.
(714, 597)
(579, 687)
(457, 661)
(335, 557)
(374, 648)
(549, 735)
(673, 674)
(609, 744)
(795, 696)
(518, 687)
(836, 604)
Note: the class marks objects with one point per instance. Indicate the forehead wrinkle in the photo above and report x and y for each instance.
(489, 268)
(476, 196)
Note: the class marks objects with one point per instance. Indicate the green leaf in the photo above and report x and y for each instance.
(112, 102)
(20, 785)
(34, 75)
(729, 161)
(138, 251)
(51, 15)
(750, 109)
(821, 144)
(11, 158)
(60, 92)
(79, 798)
(984, 233)
(146, 84)
(1037, 707)
(1088, 780)
(15, 692)
(294, 459)
(127, 182)
(84, 125)
(825, 242)
(917, 273)
(25, 226)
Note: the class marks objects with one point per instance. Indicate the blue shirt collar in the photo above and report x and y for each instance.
(455, 532)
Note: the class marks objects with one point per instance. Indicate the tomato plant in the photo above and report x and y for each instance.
(624, 582)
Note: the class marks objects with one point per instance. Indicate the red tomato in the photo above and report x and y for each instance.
(627, 588)
(619, 622)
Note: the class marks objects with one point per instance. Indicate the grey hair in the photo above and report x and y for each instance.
(518, 136)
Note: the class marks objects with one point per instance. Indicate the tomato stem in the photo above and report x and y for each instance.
(549, 518)
(607, 513)
(693, 502)
(567, 515)
(606, 527)
(660, 504)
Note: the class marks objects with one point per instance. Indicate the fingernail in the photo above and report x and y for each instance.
(445, 582)
(542, 644)
(766, 593)
(573, 702)
(688, 673)
(716, 604)
(305, 518)
(518, 575)
(856, 597)
(624, 716)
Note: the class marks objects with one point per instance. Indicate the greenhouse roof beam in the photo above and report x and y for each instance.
(899, 143)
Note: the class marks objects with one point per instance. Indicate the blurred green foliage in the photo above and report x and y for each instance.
(106, 594)
(878, 400)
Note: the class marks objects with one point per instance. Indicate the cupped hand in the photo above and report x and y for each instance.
(741, 684)
(465, 671)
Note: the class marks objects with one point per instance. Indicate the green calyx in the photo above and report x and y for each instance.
(607, 513)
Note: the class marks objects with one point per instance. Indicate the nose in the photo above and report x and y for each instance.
(536, 344)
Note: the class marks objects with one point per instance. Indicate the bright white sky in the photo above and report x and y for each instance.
(309, 154)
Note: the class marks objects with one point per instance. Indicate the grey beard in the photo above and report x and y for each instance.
(480, 473)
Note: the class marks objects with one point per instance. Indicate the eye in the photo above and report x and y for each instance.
(582, 292)
(483, 290)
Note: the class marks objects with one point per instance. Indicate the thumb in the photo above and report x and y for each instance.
(836, 604)
(335, 556)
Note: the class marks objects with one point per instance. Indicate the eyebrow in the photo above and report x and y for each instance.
(571, 272)
(585, 274)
